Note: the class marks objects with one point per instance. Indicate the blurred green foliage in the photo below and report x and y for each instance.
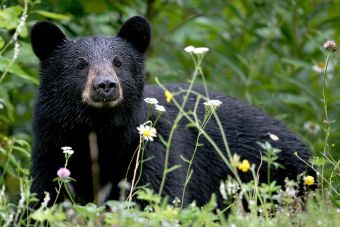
(261, 51)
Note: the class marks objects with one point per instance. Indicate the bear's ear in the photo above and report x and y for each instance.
(137, 31)
(45, 37)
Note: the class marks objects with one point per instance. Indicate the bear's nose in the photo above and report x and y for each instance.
(105, 87)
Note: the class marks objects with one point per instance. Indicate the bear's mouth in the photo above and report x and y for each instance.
(104, 102)
(99, 99)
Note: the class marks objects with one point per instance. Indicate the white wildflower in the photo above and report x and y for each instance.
(223, 191)
(319, 68)
(70, 212)
(213, 103)
(159, 108)
(147, 132)
(176, 201)
(68, 150)
(196, 50)
(152, 101)
(311, 127)
(124, 184)
(189, 49)
(291, 192)
(67, 204)
(200, 50)
(47, 198)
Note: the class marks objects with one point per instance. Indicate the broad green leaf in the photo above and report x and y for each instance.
(15, 69)
(9, 17)
(55, 16)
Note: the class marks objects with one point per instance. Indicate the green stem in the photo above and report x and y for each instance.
(211, 141)
(326, 121)
(68, 193)
(177, 120)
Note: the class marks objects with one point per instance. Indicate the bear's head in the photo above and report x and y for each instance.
(98, 71)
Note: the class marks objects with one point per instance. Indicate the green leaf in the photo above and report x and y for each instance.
(15, 69)
(9, 17)
(184, 159)
(173, 168)
(55, 16)
(319, 161)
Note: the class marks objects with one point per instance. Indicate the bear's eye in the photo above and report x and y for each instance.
(82, 64)
(116, 62)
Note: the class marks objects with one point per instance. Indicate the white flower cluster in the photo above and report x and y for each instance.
(160, 108)
(47, 198)
(196, 50)
(154, 101)
(213, 103)
(68, 150)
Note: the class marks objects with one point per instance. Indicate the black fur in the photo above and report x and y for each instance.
(62, 119)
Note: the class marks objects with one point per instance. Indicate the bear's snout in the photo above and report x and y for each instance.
(104, 88)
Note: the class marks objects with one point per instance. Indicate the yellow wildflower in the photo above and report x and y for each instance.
(309, 180)
(168, 96)
(244, 166)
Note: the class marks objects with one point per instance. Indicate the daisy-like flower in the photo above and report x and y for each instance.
(200, 50)
(273, 136)
(213, 103)
(68, 150)
(311, 127)
(319, 67)
(147, 132)
(309, 180)
(160, 108)
(189, 49)
(244, 166)
(168, 96)
(330, 45)
(152, 101)
(63, 173)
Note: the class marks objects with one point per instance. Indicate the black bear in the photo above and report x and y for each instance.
(96, 85)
